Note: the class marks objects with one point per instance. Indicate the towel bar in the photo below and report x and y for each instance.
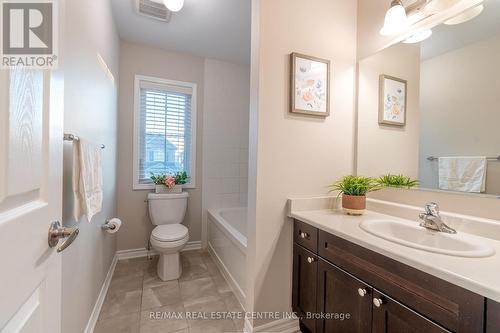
(434, 158)
(72, 137)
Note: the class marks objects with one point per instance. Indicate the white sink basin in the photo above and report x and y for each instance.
(459, 245)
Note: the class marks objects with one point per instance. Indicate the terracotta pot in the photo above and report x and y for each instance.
(354, 205)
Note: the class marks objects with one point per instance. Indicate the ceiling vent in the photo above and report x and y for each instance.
(153, 9)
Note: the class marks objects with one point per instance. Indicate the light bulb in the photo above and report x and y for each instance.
(396, 20)
(174, 5)
(419, 37)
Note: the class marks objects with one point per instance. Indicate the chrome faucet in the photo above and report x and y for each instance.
(432, 220)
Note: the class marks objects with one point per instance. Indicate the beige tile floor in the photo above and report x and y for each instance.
(136, 294)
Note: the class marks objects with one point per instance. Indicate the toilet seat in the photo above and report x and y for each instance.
(169, 232)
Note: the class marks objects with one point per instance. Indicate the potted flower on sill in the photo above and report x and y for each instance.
(165, 183)
(353, 190)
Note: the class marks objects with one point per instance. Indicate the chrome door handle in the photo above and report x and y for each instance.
(57, 231)
(304, 235)
(310, 260)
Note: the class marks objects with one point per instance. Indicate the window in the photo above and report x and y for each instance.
(164, 129)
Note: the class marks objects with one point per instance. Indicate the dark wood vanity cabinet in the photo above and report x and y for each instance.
(339, 286)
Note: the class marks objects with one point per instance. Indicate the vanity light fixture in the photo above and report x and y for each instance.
(465, 16)
(419, 37)
(174, 5)
(436, 6)
(396, 20)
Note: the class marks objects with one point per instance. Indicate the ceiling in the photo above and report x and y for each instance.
(216, 29)
(446, 38)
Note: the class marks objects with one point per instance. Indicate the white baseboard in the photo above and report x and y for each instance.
(286, 325)
(100, 299)
(134, 253)
(192, 246)
(237, 291)
(143, 252)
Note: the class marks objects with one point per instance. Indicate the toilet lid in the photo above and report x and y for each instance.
(169, 232)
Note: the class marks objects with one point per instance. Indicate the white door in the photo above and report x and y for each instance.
(31, 120)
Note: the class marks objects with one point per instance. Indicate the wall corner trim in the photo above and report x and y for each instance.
(100, 298)
(285, 325)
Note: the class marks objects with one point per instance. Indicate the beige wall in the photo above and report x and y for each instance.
(132, 209)
(386, 149)
(460, 111)
(295, 155)
(90, 111)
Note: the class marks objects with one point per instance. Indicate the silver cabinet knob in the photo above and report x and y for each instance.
(378, 302)
(304, 235)
(362, 292)
(310, 260)
(57, 232)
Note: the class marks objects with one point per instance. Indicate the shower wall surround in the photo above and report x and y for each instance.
(225, 135)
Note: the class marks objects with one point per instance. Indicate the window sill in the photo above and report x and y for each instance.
(147, 187)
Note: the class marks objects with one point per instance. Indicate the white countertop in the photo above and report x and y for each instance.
(479, 275)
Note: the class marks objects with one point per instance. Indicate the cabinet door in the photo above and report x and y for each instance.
(492, 317)
(344, 302)
(390, 316)
(305, 273)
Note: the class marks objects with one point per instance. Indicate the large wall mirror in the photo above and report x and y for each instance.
(431, 109)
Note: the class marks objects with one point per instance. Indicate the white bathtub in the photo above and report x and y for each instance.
(227, 242)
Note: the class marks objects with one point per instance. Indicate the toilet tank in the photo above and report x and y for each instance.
(168, 208)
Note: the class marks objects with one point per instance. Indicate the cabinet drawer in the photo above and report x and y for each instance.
(452, 307)
(305, 235)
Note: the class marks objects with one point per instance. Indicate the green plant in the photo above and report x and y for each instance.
(158, 179)
(399, 181)
(181, 178)
(355, 185)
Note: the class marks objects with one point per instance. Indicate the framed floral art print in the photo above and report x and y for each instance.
(310, 85)
(392, 108)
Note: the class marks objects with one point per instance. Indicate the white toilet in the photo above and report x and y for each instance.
(169, 237)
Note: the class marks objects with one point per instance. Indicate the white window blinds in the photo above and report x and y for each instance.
(164, 143)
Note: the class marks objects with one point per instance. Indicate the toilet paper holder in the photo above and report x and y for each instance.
(107, 226)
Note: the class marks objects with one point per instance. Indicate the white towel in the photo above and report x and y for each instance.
(463, 173)
(87, 179)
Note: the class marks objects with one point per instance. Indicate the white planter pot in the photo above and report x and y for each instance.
(163, 189)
